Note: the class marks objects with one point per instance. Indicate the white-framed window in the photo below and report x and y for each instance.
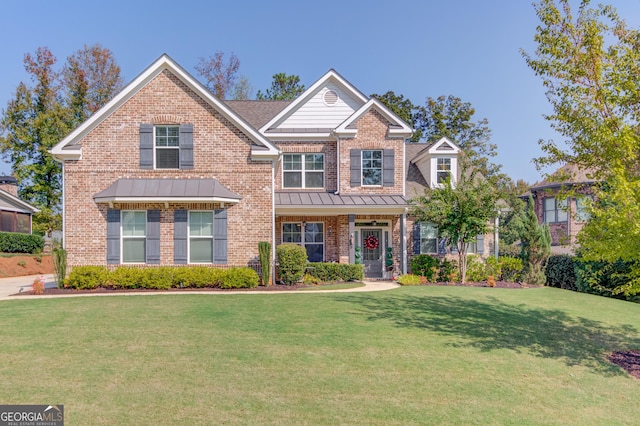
(200, 236)
(443, 171)
(428, 238)
(555, 210)
(583, 202)
(167, 147)
(134, 236)
(372, 167)
(303, 170)
(310, 235)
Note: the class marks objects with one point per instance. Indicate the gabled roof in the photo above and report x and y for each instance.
(257, 113)
(397, 127)
(567, 175)
(330, 77)
(443, 146)
(12, 203)
(69, 148)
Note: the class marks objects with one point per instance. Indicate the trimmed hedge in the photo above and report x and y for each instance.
(328, 272)
(292, 261)
(425, 266)
(602, 278)
(161, 278)
(560, 272)
(16, 242)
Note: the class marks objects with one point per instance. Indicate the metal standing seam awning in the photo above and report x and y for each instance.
(165, 191)
(328, 203)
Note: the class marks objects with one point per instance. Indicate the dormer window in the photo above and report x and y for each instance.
(443, 170)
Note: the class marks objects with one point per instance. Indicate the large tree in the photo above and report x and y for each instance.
(283, 88)
(461, 210)
(589, 63)
(220, 75)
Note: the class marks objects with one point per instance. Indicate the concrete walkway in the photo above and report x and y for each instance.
(13, 285)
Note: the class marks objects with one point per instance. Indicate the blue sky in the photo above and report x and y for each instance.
(466, 48)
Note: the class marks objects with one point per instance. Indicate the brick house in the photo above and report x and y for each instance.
(15, 214)
(167, 174)
(565, 214)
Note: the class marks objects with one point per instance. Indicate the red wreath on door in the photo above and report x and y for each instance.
(371, 242)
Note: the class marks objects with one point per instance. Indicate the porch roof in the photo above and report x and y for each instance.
(166, 190)
(328, 203)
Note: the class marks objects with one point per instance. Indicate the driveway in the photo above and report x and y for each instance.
(13, 285)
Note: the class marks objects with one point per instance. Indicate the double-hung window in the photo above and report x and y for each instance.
(309, 235)
(428, 238)
(200, 236)
(372, 167)
(582, 208)
(555, 210)
(167, 147)
(134, 236)
(443, 171)
(303, 170)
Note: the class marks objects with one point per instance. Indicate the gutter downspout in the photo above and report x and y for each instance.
(273, 220)
(64, 216)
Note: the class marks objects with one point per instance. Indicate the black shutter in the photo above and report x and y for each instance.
(355, 166)
(113, 236)
(186, 146)
(180, 229)
(146, 146)
(153, 237)
(220, 236)
(387, 168)
(416, 238)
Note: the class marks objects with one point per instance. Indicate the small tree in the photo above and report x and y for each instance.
(264, 248)
(283, 88)
(461, 210)
(292, 260)
(536, 246)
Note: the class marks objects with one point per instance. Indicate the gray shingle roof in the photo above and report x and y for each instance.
(166, 189)
(257, 113)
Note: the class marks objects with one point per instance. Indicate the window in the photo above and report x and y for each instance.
(200, 237)
(167, 147)
(428, 238)
(303, 170)
(134, 236)
(583, 203)
(312, 240)
(443, 171)
(371, 168)
(555, 210)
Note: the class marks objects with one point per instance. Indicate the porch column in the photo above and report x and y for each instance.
(403, 243)
(352, 230)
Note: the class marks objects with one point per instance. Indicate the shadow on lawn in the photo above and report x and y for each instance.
(548, 333)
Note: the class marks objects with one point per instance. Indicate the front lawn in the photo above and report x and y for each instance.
(415, 355)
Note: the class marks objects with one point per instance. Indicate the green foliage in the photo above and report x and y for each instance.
(403, 108)
(60, 265)
(292, 261)
(330, 272)
(425, 266)
(604, 278)
(560, 272)
(535, 240)
(448, 271)
(16, 242)
(493, 267)
(460, 210)
(511, 268)
(160, 278)
(240, 278)
(87, 277)
(475, 269)
(126, 277)
(264, 249)
(409, 279)
(197, 277)
(283, 88)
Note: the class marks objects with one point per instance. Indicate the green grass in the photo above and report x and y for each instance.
(434, 355)
(336, 286)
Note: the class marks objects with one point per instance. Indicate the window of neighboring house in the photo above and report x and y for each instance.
(303, 170)
(23, 223)
(428, 238)
(372, 167)
(200, 237)
(134, 236)
(582, 207)
(167, 147)
(312, 239)
(443, 171)
(555, 210)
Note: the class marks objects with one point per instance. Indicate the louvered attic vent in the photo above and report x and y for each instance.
(330, 97)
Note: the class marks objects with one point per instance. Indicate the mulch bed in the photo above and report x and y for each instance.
(629, 361)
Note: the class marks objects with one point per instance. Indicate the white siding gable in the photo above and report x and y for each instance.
(316, 114)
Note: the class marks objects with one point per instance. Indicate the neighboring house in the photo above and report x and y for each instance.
(167, 174)
(15, 214)
(565, 215)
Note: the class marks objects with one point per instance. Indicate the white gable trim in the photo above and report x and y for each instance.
(61, 152)
(331, 75)
(436, 149)
(4, 194)
(403, 129)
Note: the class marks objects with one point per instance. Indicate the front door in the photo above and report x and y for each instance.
(372, 252)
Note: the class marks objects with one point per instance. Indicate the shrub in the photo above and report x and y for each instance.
(329, 272)
(239, 278)
(60, 265)
(87, 277)
(448, 271)
(264, 249)
(160, 278)
(426, 266)
(560, 272)
(511, 268)
(475, 269)
(37, 286)
(125, 277)
(16, 242)
(292, 260)
(534, 274)
(602, 278)
(510, 250)
(492, 267)
(409, 279)
(197, 277)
